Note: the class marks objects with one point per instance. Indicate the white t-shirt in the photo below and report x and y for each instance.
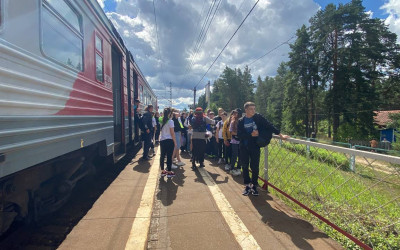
(220, 126)
(165, 131)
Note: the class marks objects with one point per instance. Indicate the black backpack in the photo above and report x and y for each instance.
(264, 135)
(198, 127)
(264, 138)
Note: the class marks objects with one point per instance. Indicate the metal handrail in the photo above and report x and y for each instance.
(350, 151)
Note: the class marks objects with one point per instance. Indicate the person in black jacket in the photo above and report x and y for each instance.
(184, 133)
(158, 126)
(248, 132)
(148, 132)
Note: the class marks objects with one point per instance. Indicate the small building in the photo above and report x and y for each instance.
(382, 120)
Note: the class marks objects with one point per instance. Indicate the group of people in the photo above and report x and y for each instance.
(234, 138)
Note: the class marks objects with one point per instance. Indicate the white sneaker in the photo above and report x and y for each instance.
(180, 163)
(219, 161)
(227, 167)
(174, 166)
(237, 172)
(232, 172)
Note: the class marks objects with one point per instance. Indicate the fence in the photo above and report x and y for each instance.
(355, 190)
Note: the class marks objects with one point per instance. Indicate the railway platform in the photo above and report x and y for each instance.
(201, 209)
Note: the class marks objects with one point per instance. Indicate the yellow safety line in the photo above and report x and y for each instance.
(141, 225)
(239, 230)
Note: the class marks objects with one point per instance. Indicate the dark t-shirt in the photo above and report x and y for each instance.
(249, 126)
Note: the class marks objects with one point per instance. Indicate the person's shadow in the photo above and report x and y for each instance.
(214, 176)
(142, 167)
(168, 187)
(298, 229)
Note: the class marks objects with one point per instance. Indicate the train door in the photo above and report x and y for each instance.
(136, 125)
(130, 101)
(118, 107)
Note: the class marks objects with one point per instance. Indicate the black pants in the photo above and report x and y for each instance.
(221, 147)
(158, 133)
(199, 148)
(250, 154)
(227, 153)
(213, 146)
(167, 148)
(147, 143)
(235, 155)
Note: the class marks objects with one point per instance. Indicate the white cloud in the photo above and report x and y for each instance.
(370, 13)
(392, 7)
(101, 3)
(179, 23)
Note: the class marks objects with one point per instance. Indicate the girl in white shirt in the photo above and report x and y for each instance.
(167, 142)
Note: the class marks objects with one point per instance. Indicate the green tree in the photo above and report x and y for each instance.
(202, 102)
(261, 96)
(292, 116)
(302, 63)
(355, 54)
(233, 88)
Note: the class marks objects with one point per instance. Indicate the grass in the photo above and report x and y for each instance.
(359, 202)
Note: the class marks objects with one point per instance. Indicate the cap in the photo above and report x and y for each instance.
(199, 110)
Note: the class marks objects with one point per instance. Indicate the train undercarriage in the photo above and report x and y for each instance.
(32, 193)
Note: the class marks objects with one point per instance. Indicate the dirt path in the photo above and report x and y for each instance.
(377, 165)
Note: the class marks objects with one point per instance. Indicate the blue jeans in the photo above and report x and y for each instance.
(178, 140)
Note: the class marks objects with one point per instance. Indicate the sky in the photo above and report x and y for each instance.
(168, 51)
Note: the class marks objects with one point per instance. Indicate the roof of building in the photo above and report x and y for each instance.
(382, 117)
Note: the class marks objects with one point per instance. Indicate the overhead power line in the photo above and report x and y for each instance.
(158, 45)
(206, 31)
(227, 43)
(285, 42)
(203, 34)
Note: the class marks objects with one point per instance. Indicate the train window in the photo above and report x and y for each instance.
(66, 12)
(99, 44)
(99, 59)
(59, 40)
(99, 68)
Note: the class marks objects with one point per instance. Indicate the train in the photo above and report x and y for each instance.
(67, 89)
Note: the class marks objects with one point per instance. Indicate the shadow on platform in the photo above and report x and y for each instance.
(298, 229)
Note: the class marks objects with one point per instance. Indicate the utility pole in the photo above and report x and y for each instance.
(208, 94)
(194, 99)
